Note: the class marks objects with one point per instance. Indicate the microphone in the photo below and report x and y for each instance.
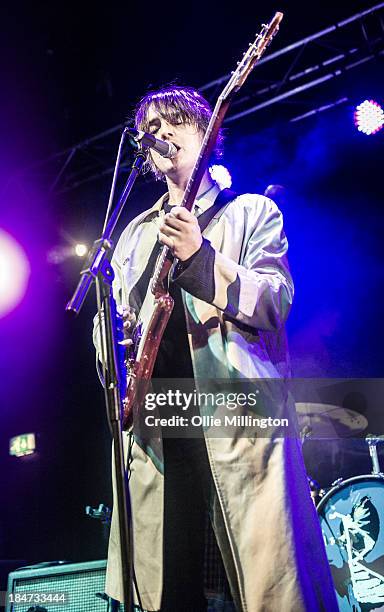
(166, 149)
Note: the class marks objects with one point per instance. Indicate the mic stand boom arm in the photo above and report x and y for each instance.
(99, 269)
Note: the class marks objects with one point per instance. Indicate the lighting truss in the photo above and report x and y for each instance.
(292, 78)
(307, 64)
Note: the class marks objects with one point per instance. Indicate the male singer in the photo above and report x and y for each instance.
(245, 500)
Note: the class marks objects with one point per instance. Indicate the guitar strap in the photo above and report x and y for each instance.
(224, 197)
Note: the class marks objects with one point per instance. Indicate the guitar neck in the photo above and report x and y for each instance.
(206, 150)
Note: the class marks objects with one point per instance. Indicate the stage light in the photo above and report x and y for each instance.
(22, 445)
(221, 175)
(14, 273)
(369, 117)
(60, 253)
(81, 250)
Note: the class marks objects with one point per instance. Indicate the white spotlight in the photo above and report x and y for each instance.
(81, 250)
(221, 175)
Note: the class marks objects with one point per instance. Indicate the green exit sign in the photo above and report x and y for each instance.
(25, 444)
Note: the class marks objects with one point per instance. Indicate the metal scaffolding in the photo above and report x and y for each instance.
(282, 77)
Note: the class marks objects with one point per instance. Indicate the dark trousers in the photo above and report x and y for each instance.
(187, 488)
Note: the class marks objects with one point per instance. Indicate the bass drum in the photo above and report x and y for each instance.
(352, 522)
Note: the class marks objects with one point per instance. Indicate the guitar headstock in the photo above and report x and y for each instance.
(252, 55)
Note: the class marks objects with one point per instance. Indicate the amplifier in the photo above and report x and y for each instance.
(69, 587)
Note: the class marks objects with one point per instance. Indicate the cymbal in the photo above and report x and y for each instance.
(329, 421)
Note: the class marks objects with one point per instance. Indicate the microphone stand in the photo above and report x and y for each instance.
(99, 269)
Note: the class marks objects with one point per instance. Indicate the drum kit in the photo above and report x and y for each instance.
(350, 510)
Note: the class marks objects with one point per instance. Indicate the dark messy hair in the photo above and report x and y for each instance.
(176, 105)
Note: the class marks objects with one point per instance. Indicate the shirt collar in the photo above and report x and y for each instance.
(202, 203)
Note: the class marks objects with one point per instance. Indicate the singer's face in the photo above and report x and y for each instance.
(187, 139)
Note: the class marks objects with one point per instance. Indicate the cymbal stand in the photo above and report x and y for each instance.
(372, 442)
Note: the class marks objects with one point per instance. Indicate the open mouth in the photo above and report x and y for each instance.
(177, 150)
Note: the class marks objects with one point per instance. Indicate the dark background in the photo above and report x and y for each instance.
(71, 71)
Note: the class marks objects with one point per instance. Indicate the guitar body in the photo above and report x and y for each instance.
(153, 318)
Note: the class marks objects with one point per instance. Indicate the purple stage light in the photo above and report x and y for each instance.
(369, 117)
(14, 273)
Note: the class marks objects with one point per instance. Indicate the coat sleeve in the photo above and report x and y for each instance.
(258, 290)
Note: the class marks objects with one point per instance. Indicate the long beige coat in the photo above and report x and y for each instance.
(267, 527)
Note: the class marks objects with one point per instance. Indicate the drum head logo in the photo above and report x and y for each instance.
(352, 525)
